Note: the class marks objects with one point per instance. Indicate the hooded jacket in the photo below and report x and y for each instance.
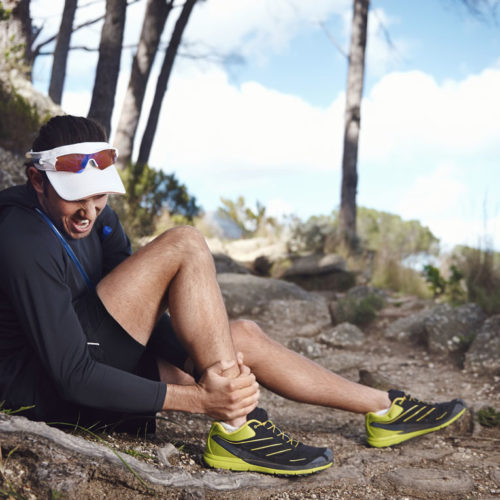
(39, 285)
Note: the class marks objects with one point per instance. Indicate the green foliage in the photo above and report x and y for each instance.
(19, 121)
(377, 231)
(488, 416)
(388, 272)
(451, 289)
(480, 269)
(250, 222)
(151, 192)
(358, 311)
(436, 282)
(311, 235)
(4, 13)
(382, 231)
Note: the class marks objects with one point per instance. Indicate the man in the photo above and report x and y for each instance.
(84, 336)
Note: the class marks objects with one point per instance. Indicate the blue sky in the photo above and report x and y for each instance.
(271, 128)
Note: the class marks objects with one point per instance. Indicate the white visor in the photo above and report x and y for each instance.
(90, 181)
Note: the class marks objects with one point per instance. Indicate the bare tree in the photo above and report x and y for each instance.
(155, 17)
(108, 65)
(354, 93)
(58, 74)
(162, 83)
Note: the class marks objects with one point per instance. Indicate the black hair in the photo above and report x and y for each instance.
(68, 129)
(63, 130)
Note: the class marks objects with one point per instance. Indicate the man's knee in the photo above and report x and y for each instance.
(245, 331)
(188, 242)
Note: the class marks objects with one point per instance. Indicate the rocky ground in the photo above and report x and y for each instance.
(460, 462)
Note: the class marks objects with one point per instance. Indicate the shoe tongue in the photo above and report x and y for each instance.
(258, 414)
(393, 394)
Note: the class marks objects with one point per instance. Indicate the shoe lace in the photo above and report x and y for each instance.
(268, 424)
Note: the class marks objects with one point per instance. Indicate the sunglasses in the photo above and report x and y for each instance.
(74, 162)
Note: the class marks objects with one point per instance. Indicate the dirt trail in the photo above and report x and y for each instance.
(460, 462)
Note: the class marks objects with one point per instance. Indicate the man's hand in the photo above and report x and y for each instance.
(226, 398)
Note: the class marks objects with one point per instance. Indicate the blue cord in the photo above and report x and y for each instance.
(67, 247)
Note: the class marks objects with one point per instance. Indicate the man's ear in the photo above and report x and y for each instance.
(36, 179)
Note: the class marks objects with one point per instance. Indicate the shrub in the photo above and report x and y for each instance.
(150, 193)
(480, 268)
(358, 311)
(488, 416)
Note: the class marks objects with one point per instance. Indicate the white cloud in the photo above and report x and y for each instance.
(436, 193)
(411, 112)
(209, 123)
(257, 28)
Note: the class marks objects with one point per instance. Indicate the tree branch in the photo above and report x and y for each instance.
(332, 39)
(37, 49)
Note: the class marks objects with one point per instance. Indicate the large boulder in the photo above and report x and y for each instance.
(344, 335)
(224, 264)
(411, 328)
(450, 330)
(319, 272)
(282, 308)
(483, 355)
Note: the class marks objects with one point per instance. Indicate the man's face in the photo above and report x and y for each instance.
(76, 218)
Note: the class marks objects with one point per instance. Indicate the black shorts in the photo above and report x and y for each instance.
(110, 344)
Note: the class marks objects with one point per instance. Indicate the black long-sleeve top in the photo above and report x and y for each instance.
(38, 285)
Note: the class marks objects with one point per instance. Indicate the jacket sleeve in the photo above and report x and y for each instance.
(33, 269)
(115, 243)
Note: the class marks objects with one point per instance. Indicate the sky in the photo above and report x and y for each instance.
(267, 123)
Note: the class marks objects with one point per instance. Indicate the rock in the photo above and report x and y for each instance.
(319, 272)
(451, 329)
(306, 346)
(11, 169)
(375, 380)
(282, 308)
(343, 335)
(250, 295)
(249, 249)
(165, 452)
(304, 318)
(410, 328)
(429, 481)
(483, 355)
(224, 264)
(363, 291)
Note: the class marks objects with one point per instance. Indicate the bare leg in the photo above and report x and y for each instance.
(176, 268)
(295, 377)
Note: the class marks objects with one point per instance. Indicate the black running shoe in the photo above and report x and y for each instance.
(260, 446)
(408, 418)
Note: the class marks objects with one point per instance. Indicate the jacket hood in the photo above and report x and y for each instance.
(19, 196)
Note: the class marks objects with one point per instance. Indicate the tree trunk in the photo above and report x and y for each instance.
(162, 83)
(61, 51)
(354, 93)
(154, 21)
(15, 36)
(108, 65)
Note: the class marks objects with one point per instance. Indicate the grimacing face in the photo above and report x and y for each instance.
(75, 218)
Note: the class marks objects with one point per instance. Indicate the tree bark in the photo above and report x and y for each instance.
(108, 65)
(162, 83)
(16, 36)
(58, 74)
(154, 21)
(354, 93)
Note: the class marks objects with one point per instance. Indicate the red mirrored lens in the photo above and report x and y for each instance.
(76, 162)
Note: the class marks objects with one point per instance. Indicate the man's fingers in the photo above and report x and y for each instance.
(221, 366)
